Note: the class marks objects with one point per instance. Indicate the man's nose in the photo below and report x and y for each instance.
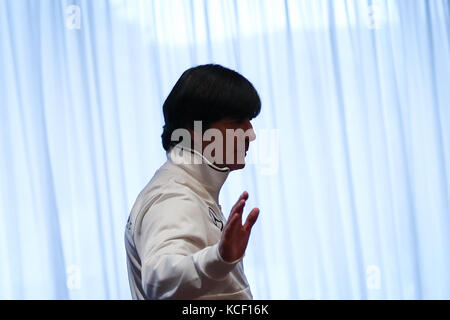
(251, 132)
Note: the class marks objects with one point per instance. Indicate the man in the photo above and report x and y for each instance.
(178, 242)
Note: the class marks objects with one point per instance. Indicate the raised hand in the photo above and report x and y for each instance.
(235, 236)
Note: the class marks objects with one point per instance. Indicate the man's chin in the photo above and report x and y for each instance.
(236, 166)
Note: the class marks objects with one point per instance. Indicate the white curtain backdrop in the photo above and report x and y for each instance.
(350, 167)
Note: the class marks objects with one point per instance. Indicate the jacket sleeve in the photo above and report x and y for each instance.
(176, 261)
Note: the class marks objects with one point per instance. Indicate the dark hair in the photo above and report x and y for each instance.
(208, 93)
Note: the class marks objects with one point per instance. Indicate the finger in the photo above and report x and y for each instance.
(240, 207)
(235, 212)
(232, 224)
(251, 219)
(244, 196)
(239, 210)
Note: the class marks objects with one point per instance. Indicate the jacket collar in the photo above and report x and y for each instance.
(200, 168)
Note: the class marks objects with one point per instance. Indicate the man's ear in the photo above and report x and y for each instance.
(193, 134)
(197, 131)
(196, 140)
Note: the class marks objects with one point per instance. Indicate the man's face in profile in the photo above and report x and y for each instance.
(237, 136)
(227, 142)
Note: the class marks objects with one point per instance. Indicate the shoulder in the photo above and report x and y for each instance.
(167, 199)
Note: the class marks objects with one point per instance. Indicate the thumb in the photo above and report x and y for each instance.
(251, 219)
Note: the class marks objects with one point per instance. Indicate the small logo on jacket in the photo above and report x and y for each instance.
(217, 222)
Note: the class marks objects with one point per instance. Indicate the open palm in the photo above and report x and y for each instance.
(235, 236)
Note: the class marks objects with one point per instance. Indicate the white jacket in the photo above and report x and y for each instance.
(173, 232)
